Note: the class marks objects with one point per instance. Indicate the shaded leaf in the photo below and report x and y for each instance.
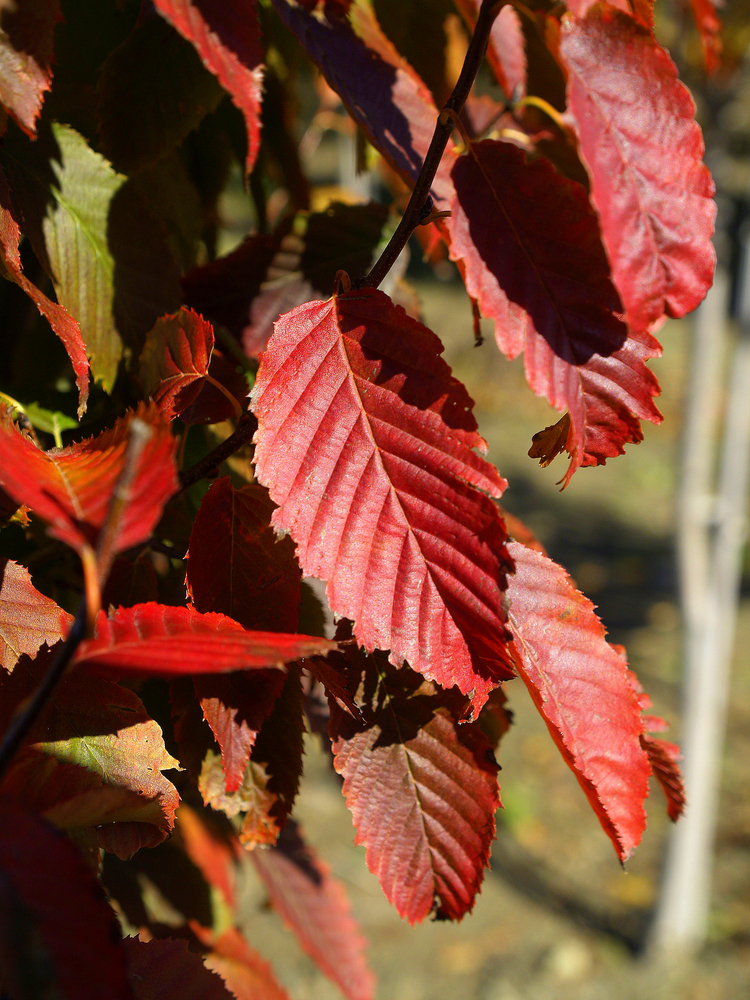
(505, 49)
(153, 91)
(227, 38)
(58, 934)
(72, 488)
(580, 685)
(131, 583)
(59, 319)
(418, 32)
(210, 848)
(103, 728)
(643, 148)
(366, 442)
(245, 973)
(385, 97)
(530, 249)
(315, 907)
(175, 358)
(27, 618)
(159, 640)
(167, 970)
(222, 395)
(26, 57)
(421, 787)
(663, 758)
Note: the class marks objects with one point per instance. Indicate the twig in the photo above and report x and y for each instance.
(414, 214)
(27, 715)
(244, 433)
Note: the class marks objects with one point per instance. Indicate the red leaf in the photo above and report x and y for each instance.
(315, 906)
(253, 798)
(245, 973)
(709, 28)
(73, 488)
(529, 246)
(174, 361)
(366, 441)
(58, 935)
(422, 789)
(237, 565)
(209, 849)
(663, 757)
(581, 687)
(385, 96)
(166, 970)
(643, 148)
(26, 56)
(227, 38)
(57, 316)
(506, 48)
(158, 640)
(27, 618)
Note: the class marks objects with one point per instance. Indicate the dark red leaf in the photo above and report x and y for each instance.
(222, 394)
(175, 359)
(27, 618)
(245, 973)
(58, 935)
(422, 789)
(530, 249)
(72, 489)
(663, 757)
(158, 640)
(227, 38)
(315, 906)
(57, 316)
(385, 97)
(366, 441)
(643, 148)
(167, 970)
(26, 57)
(581, 686)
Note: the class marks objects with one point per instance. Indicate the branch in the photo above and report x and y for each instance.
(418, 211)
(246, 428)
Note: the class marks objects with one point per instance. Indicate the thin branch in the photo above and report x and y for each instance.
(418, 210)
(246, 428)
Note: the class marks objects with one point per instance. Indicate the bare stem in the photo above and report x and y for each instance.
(415, 214)
(245, 430)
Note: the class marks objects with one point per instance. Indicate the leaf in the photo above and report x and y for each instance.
(175, 358)
(385, 96)
(663, 758)
(99, 726)
(167, 970)
(58, 935)
(210, 849)
(421, 787)
(158, 640)
(63, 324)
(251, 797)
(27, 618)
(103, 249)
(643, 149)
(153, 91)
(708, 23)
(73, 488)
(531, 253)
(580, 685)
(237, 565)
(227, 38)
(505, 50)
(246, 974)
(365, 440)
(315, 906)
(26, 57)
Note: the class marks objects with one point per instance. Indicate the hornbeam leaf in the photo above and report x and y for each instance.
(529, 246)
(227, 38)
(643, 148)
(211, 848)
(708, 23)
(167, 970)
(366, 442)
(26, 57)
(664, 757)
(72, 488)
(27, 618)
(59, 319)
(421, 786)
(505, 49)
(581, 686)
(385, 97)
(315, 906)
(245, 973)
(163, 641)
(175, 359)
(58, 935)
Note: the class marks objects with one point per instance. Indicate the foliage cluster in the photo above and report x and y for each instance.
(188, 435)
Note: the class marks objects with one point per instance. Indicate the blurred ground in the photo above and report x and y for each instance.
(557, 917)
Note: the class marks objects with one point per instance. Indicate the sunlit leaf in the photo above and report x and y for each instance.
(175, 359)
(27, 618)
(26, 58)
(366, 442)
(245, 973)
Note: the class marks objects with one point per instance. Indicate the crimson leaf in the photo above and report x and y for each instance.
(26, 57)
(175, 359)
(643, 149)
(422, 789)
(365, 440)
